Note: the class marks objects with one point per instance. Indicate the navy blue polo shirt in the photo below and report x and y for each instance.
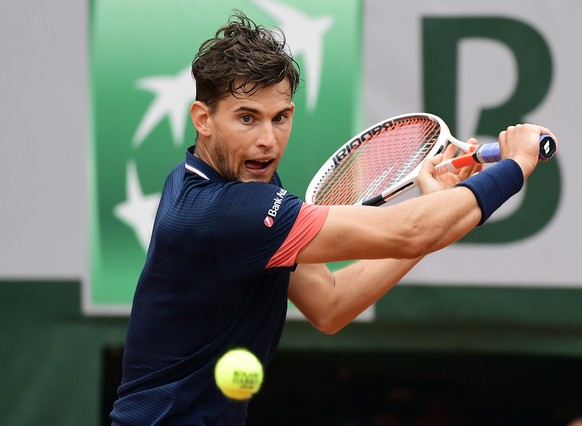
(204, 289)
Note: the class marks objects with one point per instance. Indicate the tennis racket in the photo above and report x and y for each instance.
(383, 161)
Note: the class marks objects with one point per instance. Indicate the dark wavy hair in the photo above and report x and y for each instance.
(243, 57)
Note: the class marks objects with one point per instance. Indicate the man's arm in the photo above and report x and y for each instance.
(408, 230)
(329, 300)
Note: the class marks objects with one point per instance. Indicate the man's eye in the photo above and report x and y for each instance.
(246, 118)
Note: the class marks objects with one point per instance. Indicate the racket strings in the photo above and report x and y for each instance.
(378, 162)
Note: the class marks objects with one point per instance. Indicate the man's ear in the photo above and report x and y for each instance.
(200, 115)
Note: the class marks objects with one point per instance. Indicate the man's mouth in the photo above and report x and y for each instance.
(258, 165)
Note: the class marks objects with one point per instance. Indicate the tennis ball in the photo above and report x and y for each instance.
(238, 374)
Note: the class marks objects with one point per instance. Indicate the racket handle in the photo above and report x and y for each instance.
(490, 153)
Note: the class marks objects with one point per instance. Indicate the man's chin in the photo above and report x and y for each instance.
(265, 178)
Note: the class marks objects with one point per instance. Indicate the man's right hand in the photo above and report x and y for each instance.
(522, 144)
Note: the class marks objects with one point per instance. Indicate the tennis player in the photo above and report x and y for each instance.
(230, 245)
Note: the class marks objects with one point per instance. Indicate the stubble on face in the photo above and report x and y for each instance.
(220, 152)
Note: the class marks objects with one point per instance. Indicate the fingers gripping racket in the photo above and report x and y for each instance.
(383, 161)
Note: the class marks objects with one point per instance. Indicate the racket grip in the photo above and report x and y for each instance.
(490, 153)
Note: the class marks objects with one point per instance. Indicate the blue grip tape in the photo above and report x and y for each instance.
(490, 153)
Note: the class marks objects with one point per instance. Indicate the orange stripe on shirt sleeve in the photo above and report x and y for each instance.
(308, 223)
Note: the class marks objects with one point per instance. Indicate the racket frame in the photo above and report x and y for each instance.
(405, 184)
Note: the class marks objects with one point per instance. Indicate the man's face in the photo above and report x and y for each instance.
(248, 134)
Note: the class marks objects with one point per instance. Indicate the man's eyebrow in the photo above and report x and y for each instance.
(244, 108)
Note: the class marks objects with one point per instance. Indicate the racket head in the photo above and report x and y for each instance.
(380, 163)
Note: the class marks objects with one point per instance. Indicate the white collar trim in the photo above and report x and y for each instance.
(198, 172)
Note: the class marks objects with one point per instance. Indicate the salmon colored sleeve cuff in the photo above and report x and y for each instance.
(308, 223)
